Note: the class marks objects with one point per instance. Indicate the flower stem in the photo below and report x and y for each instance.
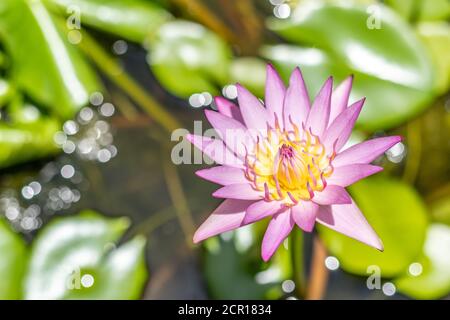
(179, 200)
(298, 262)
(414, 151)
(153, 222)
(125, 106)
(319, 273)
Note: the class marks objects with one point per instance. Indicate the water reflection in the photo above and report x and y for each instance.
(56, 186)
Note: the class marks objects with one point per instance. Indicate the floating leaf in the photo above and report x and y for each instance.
(23, 142)
(133, 20)
(431, 280)
(440, 210)
(3, 59)
(76, 258)
(249, 72)
(13, 260)
(423, 10)
(317, 65)
(121, 275)
(43, 64)
(434, 10)
(187, 58)
(397, 214)
(388, 60)
(237, 261)
(436, 37)
(6, 91)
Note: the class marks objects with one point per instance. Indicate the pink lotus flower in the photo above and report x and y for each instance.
(286, 161)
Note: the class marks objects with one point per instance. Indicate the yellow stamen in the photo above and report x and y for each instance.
(289, 166)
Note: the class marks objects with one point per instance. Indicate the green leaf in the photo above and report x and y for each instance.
(233, 267)
(390, 64)
(405, 8)
(434, 280)
(434, 10)
(13, 260)
(6, 92)
(22, 142)
(47, 68)
(226, 275)
(27, 134)
(187, 58)
(423, 10)
(440, 209)
(3, 60)
(133, 20)
(70, 250)
(121, 275)
(436, 37)
(396, 213)
(249, 72)
(317, 65)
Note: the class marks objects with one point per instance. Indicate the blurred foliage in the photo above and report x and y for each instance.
(66, 250)
(440, 210)
(20, 142)
(133, 20)
(385, 58)
(249, 72)
(12, 262)
(237, 256)
(399, 217)
(422, 10)
(223, 262)
(187, 58)
(436, 36)
(433, 281)
(55, 75)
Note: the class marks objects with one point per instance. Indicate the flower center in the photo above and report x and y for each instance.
(289, 166)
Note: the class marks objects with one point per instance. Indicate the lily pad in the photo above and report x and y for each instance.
(235, 258)
(76, 258)
(187, 58)
(423, 10)
(249, 72)
(43, 64)
(13, 259)
(133, 20)
(436, 37)
(429, 278)
(22, 142)
(397, 214)
(385, 57)
(6, 91)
